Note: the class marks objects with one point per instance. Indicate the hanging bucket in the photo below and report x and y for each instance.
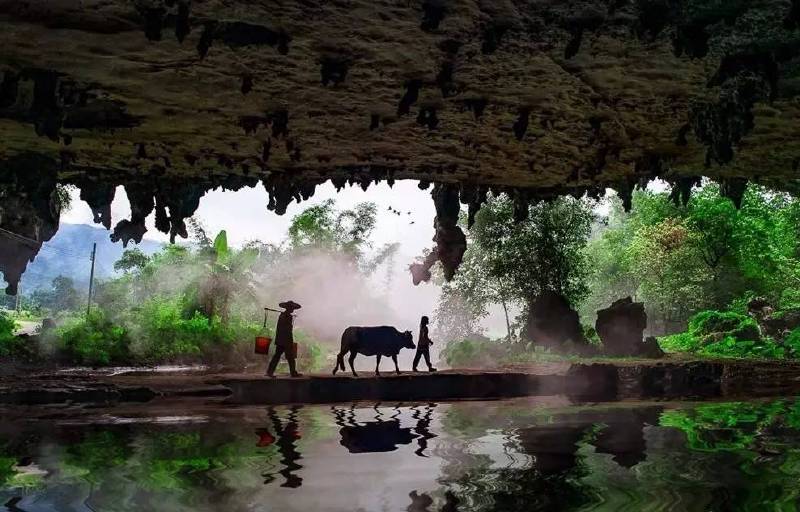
(262, 344)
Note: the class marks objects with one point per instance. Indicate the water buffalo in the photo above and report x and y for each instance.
(372, 341)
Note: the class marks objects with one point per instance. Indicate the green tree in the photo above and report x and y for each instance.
(322, 227)
(681, 260)
(512, 263)
(229, 271)
(61, 296)
(131, 260)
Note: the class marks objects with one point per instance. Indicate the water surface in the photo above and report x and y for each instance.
(542, 454)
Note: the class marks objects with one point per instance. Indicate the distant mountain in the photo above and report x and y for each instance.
(69, 252)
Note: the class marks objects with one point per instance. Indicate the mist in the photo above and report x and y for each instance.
(334, 295)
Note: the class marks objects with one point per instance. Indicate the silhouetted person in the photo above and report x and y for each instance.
(284, 339)
(423, 346)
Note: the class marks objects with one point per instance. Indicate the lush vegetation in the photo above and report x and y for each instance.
(511, 261)
(695, 266)
(9, 343)
(196, 303)
(680, 260)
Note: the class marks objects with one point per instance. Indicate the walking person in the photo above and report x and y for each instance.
(423, 346)
(284, 339)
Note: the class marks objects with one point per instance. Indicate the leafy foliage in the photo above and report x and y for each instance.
(707, 255)
(94, 340)
(727, 334)
(7, 327)
(62, 296)
(131, 260)
(511, 263)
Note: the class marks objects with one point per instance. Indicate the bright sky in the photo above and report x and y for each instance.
(245, 216)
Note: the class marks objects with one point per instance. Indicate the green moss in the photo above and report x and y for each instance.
(683, 342)
(713, 323)
(728, 334)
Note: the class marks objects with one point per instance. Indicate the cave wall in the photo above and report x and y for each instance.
(537, 98)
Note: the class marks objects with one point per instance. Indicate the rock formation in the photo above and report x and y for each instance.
(552, 323)
(29, 212)
(171, 98)
(621, 329)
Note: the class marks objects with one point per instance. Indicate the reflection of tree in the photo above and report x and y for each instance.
(554, 477)
(711, 456)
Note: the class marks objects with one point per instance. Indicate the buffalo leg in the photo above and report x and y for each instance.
(350, 360)
(378, 366)
(339, 361)
(396, 368)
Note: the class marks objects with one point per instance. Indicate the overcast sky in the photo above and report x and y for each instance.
(245, 216)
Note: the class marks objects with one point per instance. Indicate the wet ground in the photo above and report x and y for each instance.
(544, 453)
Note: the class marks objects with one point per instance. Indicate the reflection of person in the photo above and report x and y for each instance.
(423, 428)
(286, 441)
(423, 346)
(284, 339)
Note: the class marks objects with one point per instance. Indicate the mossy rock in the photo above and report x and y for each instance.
(713, 326)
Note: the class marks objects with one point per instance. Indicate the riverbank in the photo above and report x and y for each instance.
(593, 381)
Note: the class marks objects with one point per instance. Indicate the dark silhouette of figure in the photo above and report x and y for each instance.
(423, 346)
(423, 428)
(372, 341)
(284, 339)
(285, 439)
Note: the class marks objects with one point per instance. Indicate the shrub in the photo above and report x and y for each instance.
(790, 299)
(683, 342)
(8, 342)
(471, 352)
(729, 334)
(721, 324)
(7, 326)
(94, 340)
(732, 347)
(164, 335)
(792, 343)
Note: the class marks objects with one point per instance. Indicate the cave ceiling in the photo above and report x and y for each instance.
(539, 98)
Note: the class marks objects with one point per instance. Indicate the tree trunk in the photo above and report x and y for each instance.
(508, 323)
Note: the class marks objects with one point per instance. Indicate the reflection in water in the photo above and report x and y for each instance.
(419, 502)
(423, 417)
(471, 456)
(382, 435)
(285, 438)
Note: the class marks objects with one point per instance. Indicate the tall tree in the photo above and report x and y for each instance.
(511, 263)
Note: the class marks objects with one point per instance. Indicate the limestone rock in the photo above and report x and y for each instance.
(553, 323)
(621, 329)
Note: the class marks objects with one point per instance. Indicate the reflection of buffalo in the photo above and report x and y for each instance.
(375, 436)
(372, 341)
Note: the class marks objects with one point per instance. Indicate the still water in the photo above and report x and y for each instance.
(543, 454)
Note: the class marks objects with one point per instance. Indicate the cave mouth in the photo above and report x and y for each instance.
(31, 209)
